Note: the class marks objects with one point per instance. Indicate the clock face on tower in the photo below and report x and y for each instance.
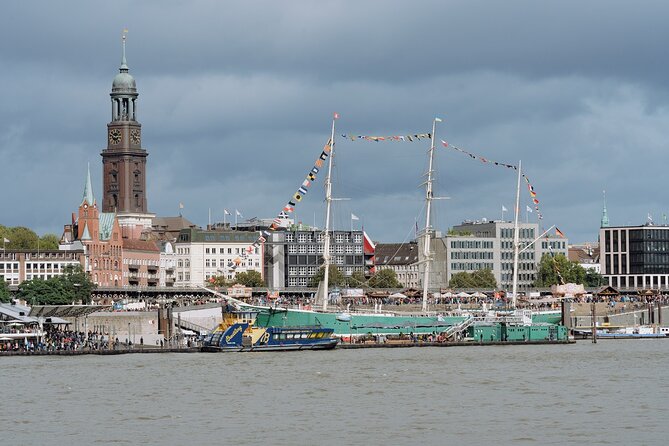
(135, 136)
(115, 136)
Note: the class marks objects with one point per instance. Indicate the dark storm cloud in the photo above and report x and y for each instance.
(236, 100)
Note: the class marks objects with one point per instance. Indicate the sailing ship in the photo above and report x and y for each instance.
(356, 323)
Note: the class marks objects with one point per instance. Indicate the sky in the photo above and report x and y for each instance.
(236, 102)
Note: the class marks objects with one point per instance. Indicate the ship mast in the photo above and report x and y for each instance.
(428, 207)
(328, 205)
(516, 241)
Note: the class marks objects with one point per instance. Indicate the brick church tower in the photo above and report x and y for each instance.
(124, 159)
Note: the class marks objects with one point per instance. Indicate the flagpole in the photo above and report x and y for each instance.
(223, 218)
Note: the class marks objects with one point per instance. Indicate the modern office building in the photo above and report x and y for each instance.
(294, 255)
(635, 257)
(476, 245)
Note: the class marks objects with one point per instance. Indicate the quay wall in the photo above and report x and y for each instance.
(131, 325)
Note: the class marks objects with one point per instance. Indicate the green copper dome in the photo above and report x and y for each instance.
(123, 81)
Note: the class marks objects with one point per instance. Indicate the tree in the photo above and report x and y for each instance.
(20, 238)
(74, 285)
(5, 295)
(79, 282)
(593, 278)
(483, 278)
(357, 280)
(218, 281)
(552, 268)
(461, 280)
(45, 292)
(49, 241)
(385, 278)
(249, 278)
(335, 277)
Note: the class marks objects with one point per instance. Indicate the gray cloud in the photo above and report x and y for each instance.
(236, 100)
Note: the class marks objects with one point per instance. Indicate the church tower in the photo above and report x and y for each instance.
(124, 159)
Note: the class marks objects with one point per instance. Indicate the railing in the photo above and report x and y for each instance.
(199, 329)
(459, 328)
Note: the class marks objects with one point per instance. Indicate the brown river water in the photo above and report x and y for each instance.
(611, 393)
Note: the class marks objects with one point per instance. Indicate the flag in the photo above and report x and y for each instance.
(306, 183)
(558, 232)
(529, 209)
(650, 217)
(181, 205)
(504, 209)
(237, 213)
(336, 115)
(6, 241)
(226, 212)
(354, 217)
(437, 119)
(289, 208)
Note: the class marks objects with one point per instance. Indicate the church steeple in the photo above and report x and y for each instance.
(124, 159)
(605, 215)
(124, 92)
(88, 189)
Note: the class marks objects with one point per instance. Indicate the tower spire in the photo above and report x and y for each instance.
(605, 215)
(88, 189)
(124, 64)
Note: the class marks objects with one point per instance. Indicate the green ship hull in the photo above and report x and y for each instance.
(345, 324)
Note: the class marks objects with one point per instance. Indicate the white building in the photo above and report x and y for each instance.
(17, 266)
(401, 258)
(477, 245)
(202, 254)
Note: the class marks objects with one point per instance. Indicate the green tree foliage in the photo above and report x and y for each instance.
(483, 278)
(5, 295)
(249, 278)
(551, 268)
(21, 238)
(49, 241)
(593, 279)
(461, 280)
(335, 277)
(385, 278)
(73, 286)
(218, 281)
(77, 280)
(357, 280)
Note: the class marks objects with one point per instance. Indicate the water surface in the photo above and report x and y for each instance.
(613, 392)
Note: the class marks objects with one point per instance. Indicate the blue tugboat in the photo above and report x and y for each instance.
(238, 333)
